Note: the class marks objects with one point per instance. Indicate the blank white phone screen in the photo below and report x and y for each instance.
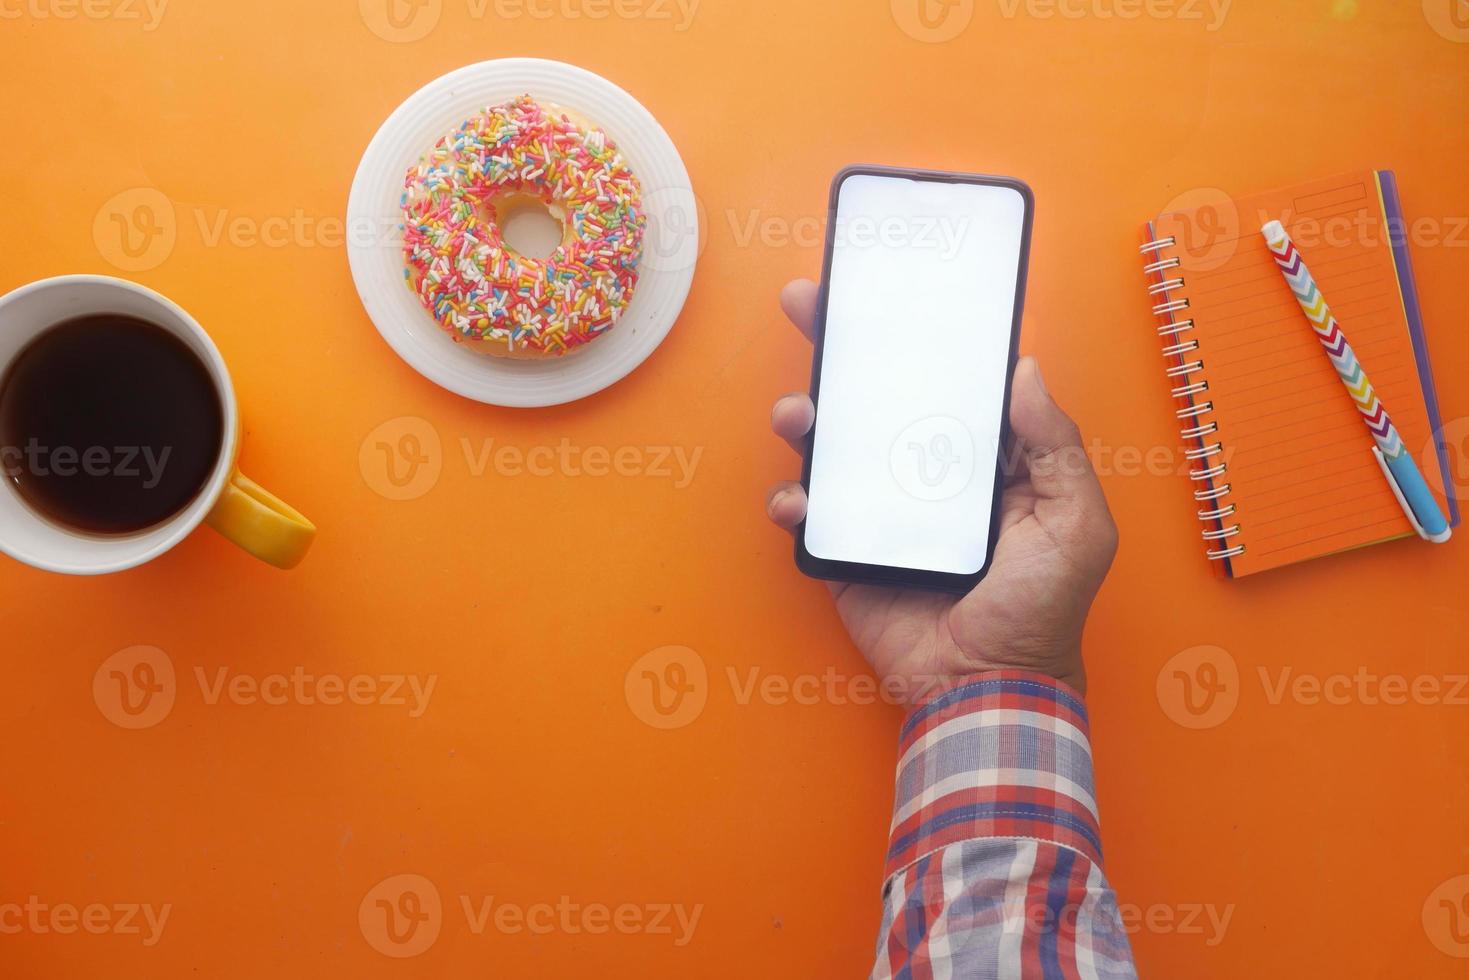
(920, 304)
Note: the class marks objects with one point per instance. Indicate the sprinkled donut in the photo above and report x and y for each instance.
(478, 288)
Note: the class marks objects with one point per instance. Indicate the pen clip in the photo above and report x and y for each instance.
(1397, 491)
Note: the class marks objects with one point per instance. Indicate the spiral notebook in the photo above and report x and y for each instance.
(1281, 467)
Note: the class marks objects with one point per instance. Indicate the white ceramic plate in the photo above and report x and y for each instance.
(375, 237)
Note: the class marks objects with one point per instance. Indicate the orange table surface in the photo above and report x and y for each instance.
(1304, 825)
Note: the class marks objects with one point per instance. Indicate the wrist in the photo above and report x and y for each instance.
(956, 686)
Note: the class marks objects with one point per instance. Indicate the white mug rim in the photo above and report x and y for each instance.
(186, 521)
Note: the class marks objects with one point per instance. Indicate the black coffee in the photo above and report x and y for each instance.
(109, 424)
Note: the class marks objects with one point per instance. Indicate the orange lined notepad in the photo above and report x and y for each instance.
(1284, 469)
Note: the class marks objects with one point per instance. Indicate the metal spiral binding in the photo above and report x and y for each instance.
(1183, 371)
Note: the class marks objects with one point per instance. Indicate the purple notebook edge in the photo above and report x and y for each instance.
(1393, 211)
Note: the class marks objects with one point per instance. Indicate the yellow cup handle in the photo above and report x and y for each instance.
(261, 523)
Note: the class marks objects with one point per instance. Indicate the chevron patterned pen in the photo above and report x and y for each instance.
(1396, 462)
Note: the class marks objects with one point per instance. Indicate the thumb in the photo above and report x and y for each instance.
(1049, 441)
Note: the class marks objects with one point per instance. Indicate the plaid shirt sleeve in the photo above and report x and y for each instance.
(994, 866)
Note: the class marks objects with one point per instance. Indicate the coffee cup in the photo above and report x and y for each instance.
(225, 499)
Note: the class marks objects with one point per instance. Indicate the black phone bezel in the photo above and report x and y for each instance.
(864, 574)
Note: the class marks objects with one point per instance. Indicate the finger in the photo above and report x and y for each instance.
(786, 505)
(1016, 505)
(792, 418)
(1049, 442)
(1013, 462)
(798, 300)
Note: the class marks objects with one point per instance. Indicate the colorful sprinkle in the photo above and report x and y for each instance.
(477, 287)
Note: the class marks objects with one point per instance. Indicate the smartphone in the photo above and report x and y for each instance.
(916, 335)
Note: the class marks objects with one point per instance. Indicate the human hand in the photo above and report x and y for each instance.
(1057, 539)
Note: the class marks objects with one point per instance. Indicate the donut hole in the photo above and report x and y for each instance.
(528, 225)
